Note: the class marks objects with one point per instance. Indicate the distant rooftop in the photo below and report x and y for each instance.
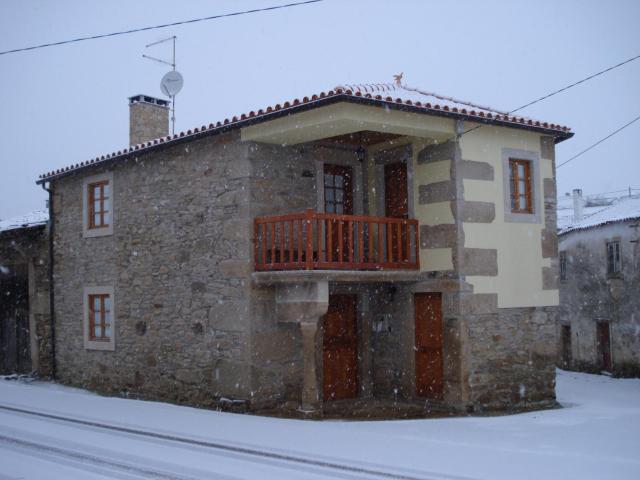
(620, 209)
(28, 220)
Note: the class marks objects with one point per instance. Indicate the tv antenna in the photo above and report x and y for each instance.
(172, 81)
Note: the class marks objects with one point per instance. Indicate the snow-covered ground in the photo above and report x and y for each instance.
(595, 436)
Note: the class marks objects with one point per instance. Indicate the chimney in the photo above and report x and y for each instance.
(578, 204)
(148, 118)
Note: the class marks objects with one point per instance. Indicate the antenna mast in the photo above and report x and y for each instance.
(172, 81)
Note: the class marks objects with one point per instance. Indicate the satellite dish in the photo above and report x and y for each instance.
(171, 83)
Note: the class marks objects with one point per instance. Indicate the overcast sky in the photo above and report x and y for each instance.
(66, 104)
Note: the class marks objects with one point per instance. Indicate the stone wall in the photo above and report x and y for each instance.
(589, 294)
(27, 250)
(178, 260)
(511, 357)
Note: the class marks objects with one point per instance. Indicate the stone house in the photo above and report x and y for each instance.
(25, 323)
(598, 318)
(370, 247)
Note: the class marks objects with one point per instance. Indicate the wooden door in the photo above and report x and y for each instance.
(338, 199)
(396, 205)
(340, 349)
(565, 339)
(604, 345)
(429, 341)
(15, 346)
(396, 200)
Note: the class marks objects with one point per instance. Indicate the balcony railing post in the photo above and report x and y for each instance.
(310, 214)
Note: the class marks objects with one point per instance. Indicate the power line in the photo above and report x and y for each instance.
(154, 27)
(544, 97)
(599, 141)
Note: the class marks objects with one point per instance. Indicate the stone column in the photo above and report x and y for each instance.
(305, 303)
(310, 383)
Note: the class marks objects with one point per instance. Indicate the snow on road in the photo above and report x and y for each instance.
(596, 435)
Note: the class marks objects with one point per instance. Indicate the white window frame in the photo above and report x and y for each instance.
(93, 344)
(103, 231)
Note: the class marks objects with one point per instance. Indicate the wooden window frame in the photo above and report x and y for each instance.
(104, 204)
(515, 185)
(103, 322)
(101, 341)
(614, 267)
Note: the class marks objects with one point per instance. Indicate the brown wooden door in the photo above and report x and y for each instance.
(396, 205)
(396, 200)
(338, 199)
(604, 345)
(565, 338)
(429, 340)
(340, 349)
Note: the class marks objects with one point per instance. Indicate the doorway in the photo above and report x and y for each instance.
(338, 199)
(396, 205)
(603, 336)
(429, 345)
(340, 349)
(565, 343)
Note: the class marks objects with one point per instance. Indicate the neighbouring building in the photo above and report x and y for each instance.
(371, 247)
(25, 323)
(599, 314)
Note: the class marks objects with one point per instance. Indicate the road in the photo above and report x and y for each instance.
(55, 432)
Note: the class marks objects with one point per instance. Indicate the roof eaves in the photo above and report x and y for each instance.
(288, 108)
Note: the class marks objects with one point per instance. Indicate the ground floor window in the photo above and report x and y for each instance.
(99, 318)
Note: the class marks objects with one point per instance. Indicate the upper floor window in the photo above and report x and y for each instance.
(613, 257)
(99, 201)
(98, 205)
(521, 186)
(563, 265)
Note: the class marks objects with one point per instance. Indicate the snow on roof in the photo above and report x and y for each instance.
(624, 208)
(413, 94)
(387, 94)
(28, 220)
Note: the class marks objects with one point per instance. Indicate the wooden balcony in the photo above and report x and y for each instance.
(323, 241)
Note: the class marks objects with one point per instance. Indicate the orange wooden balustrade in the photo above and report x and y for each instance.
(326, 241)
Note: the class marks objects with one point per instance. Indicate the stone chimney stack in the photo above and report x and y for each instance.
(578, 204)
(148, 118)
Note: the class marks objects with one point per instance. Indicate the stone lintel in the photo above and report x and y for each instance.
(479, 261)
(437, 153)
(472, 170)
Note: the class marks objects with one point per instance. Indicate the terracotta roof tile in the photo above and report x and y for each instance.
(381, 92)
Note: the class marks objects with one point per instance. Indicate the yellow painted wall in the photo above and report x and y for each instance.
(520, 262)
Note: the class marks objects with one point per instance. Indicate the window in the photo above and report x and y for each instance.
(338, 193)
(520, 180)
(563, 265)
(98, 204)
(613, 258)
(522, 185)
(99, 318)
